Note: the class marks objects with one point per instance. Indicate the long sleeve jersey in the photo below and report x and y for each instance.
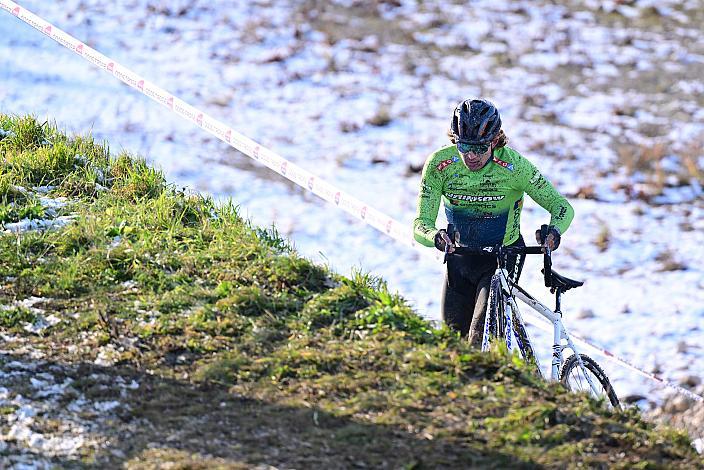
(485, 205)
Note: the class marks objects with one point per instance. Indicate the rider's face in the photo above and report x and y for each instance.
(476, 161)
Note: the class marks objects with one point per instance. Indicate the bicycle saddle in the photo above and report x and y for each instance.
(564, 283)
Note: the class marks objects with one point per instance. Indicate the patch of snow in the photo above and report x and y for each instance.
(107, 356)
(699, 445)
(4, 134)
(44, 189)
(25, 225)
(103, 406)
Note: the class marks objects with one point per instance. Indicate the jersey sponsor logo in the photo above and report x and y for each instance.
(542, 182)
(517, 214)
(535, 177)
(466, 197)
(486, 184)
(507, 165)
(444, 164)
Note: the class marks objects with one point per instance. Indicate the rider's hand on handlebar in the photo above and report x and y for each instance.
(551, 241)
(442, 241)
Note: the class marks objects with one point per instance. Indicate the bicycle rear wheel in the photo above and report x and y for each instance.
(574, 378)
(494, 314)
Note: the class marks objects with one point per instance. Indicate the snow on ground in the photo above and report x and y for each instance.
(51, 208)
(47, 417)
(580, 85)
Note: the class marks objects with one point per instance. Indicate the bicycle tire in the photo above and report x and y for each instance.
(497, 304)
(572, 364)
(524, 344)
(493, 313)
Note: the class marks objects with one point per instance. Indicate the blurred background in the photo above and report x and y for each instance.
(605, 97)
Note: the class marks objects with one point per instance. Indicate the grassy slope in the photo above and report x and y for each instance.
(247, 353)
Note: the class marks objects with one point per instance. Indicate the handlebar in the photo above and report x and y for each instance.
(500, 250)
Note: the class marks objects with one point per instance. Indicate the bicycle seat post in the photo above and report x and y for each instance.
(558, 301)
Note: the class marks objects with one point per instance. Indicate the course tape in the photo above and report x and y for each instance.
(289, 170)
(544, 325)
(265, 156)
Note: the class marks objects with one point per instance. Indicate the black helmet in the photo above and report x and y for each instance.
(475, 122)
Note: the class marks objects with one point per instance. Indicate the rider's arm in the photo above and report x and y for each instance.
(428, 204)
(545, 194)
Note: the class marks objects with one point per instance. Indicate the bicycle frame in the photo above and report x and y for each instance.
(511, 290)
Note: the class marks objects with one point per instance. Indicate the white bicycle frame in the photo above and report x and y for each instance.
(511, 289)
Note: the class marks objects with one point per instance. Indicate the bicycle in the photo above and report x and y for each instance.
(503, 319)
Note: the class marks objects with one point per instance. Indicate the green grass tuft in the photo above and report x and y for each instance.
(16, 317)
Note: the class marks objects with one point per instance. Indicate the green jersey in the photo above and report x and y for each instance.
(484, 205)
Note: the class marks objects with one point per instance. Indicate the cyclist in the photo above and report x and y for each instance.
(481, 183)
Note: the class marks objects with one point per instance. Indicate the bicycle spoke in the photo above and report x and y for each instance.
(579, 381)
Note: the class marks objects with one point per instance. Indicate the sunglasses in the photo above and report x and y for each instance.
(479, 149)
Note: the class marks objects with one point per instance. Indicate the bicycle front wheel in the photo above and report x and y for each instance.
(524, 344)
(577, 378)
(494, 314)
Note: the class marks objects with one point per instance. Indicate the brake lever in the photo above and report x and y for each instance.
(547, 261)
(547, 267)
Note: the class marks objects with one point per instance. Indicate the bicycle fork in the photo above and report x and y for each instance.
(508, 323)
(557, 355)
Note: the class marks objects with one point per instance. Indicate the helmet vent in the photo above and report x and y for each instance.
(475, 122)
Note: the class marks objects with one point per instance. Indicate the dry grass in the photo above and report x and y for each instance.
(659, 166)
(603, 238)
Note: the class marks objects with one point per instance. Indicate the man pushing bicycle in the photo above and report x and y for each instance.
(481, 183)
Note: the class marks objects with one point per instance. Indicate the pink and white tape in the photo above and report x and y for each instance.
(544, 325)
(305, 179)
